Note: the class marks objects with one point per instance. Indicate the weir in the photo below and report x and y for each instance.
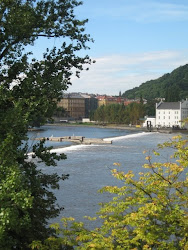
(76, 139)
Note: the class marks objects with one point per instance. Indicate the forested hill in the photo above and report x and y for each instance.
(172, 86)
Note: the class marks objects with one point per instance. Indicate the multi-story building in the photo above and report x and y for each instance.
(171, 114)
(105, 100)
(78, 105)
(91, 104)
(74, 105)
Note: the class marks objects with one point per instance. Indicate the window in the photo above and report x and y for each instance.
(159, 117)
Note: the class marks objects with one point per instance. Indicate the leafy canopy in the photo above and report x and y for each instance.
(29, 90)
(119, 113)
(172, 86)
(22, 23)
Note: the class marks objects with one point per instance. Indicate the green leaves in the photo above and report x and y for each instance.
(171, 86)
(118, 113)
(29, 91)
(16, 201)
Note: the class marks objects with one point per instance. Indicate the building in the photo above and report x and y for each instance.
(106, 100)
(109, 100)
(74, 105)
(77, 105)
(171, 114)
(149, 122)
(91, 104)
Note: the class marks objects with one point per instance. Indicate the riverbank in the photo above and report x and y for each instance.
(114, 126)
(123, 127)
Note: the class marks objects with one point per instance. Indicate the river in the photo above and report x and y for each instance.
(89, 165)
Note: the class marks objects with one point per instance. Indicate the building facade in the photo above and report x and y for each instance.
(109, 100)
(78, 105)
(74, 105)
(106, 100)
(91, 104)
(171, 114)
(149, 122)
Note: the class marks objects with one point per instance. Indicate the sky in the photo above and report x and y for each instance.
(135, 41)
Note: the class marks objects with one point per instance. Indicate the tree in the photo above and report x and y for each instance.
(147, 212)
(118, 113)
(29, 90)
(172, 94)
(177, 80)
(150, 107)
(136, 111)
(99, 114)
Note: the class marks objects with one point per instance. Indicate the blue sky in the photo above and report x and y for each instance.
(135, 41)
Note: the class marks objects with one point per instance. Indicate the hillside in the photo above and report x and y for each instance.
(175, 82)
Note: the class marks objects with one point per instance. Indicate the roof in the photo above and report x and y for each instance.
(76, 95)
(73, 96)
(169, 105)
(86, 96)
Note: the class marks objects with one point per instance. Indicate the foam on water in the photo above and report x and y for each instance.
(127, 136)
(82, 147)
(70, 148)
(63, 150)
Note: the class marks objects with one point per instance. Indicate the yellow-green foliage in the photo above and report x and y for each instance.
(149, 212)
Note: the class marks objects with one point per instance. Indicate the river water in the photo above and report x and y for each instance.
(89, 165)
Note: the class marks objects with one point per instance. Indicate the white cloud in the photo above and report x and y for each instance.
(141, 11)
(156, 12)
(113, 73)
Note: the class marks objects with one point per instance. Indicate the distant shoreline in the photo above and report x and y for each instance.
(115, 126)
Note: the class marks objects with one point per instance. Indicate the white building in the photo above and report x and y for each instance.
(169, 114)
(149, 122)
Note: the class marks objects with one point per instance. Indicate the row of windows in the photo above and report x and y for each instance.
(75, 106)
(175, 112)
(77, 109)
(168, 112)
(165, 123)
(175, 117)
(77, 101)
